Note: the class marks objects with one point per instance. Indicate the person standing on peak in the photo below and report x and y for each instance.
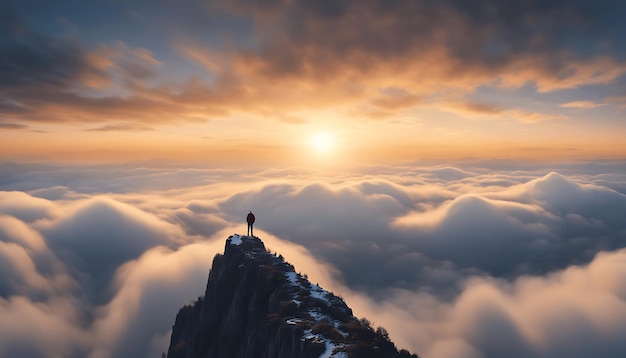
(250, 220)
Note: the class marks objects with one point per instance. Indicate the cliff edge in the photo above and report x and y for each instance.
(256, 305)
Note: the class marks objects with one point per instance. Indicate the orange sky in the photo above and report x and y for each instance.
(237, 83)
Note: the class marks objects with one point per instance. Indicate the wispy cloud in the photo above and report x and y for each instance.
(485, 110)
(8, 125)
(481, 108)
(121, 127)
(582, 104)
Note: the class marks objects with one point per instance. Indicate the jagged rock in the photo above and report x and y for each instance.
(256, 305)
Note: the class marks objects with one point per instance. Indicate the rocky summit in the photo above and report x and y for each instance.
(256, 305)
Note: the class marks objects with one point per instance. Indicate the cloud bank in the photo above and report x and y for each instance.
(470, 261)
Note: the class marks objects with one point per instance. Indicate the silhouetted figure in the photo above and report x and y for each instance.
(250, 220)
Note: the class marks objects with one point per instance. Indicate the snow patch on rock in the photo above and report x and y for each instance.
(235, 239)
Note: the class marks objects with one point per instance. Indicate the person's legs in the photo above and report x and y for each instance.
(251, 230)
(248, 229)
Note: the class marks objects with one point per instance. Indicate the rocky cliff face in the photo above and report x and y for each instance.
(256, 305)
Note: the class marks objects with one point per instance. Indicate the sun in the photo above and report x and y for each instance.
(322, 142)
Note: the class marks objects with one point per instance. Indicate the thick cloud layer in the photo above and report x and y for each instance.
(479, 261)
(275, 58)
(577, 312)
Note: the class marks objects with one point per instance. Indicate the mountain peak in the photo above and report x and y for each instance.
(301, 290)
(248, 244)
(257, 305)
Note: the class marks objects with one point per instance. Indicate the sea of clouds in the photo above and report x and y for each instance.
(472, 260)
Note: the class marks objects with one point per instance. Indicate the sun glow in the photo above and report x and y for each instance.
(322, 142)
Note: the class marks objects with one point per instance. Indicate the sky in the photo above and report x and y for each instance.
(454, 170)
(253, 81)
